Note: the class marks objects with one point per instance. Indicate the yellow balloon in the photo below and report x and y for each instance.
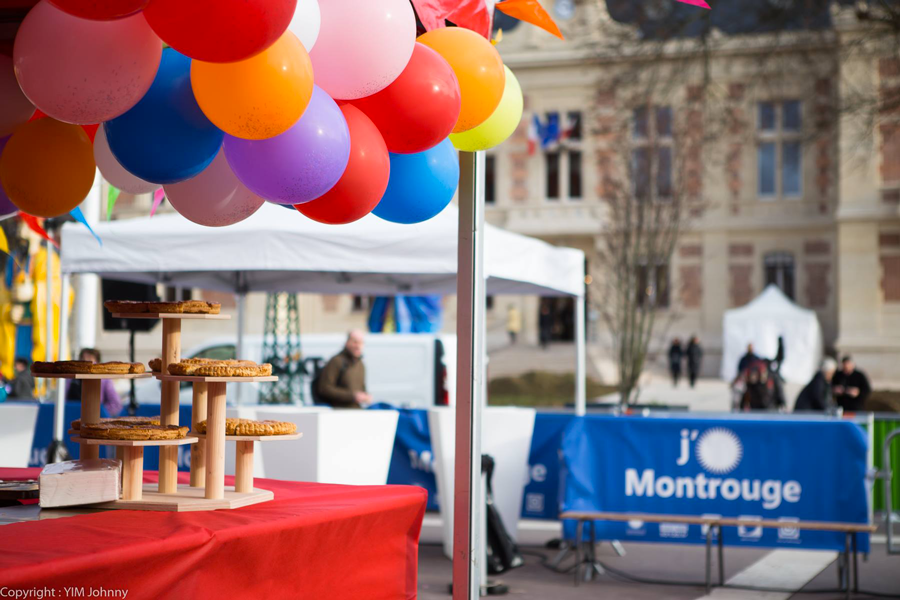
(500, 125)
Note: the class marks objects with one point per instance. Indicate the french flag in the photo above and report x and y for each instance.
(535, 133)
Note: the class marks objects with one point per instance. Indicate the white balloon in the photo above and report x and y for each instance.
(114, 172)
(306, 22)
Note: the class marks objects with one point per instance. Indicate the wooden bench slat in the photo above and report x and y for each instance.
(723, 521)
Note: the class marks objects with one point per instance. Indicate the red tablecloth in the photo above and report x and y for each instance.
(313, 541)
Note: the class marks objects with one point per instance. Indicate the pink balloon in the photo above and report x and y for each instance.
(213, 198)
(114, 172)
(83, 71)
(15, 108)
(362, 46)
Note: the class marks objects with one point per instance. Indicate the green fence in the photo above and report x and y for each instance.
(883, 426)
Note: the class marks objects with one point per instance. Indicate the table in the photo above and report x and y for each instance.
(312, 541)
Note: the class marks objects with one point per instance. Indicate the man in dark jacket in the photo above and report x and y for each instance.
(851, 387)
(342, 383)
(675, 356)
(746, 359)
(694, 358)
(817, 393)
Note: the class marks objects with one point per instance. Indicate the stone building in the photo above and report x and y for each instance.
(797, 180)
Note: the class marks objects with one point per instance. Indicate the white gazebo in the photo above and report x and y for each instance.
(761, 322)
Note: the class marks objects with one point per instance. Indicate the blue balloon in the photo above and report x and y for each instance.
(165, 137)
(421, 185)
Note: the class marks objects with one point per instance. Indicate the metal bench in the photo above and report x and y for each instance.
(847, 569)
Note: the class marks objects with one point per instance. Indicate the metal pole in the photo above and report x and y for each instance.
(87, 285)
(467, 534)
(580, 370)
(239, 346)
(59, 411)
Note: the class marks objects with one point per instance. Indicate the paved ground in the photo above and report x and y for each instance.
(671, 563)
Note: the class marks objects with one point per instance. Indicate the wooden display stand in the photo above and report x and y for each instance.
(207, 489)
(90, 401)
(243, 457)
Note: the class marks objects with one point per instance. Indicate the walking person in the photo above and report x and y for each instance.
(694, 358)
(513, 323)
(545, 325)
(676, 354)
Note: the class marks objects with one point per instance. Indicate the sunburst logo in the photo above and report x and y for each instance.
(719, 450)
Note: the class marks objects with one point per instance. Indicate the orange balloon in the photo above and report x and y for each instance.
(47, 167)
(259, 97)
(478, 68)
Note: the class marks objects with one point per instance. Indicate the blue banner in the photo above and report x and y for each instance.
(542, 493)
(412, 460)
(783, 470)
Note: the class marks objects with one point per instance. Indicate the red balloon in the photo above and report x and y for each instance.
(100, 10)
(419, 109)
(90, 130)
(220, 30)
(364, 180)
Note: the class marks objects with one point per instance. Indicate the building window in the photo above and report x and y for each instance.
(552, 161)
(653, 285)
(490, 179)
(779, 155)
(360, 304)
(489, 302)
(779, 269)
(653, 152)
(563, 155)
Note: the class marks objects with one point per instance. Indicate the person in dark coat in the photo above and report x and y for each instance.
(342, 382)
(817, 393)
(22, 384)
(851, 386)
(545, 325)
(694, 358)
(746, 359)
(676, 354)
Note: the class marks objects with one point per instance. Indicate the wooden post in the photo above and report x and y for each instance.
(133, 473)
(215, 442)
(198, 450)
(120, 456)
(243, 467)
(168, 455)
(90, 413)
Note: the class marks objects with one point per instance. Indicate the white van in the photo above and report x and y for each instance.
(407, 370)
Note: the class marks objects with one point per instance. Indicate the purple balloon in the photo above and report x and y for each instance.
(6, 205)
(300, 164)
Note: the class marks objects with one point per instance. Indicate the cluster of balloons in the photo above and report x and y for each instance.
(335, 108)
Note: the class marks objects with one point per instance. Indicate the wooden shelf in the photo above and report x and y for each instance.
(201, 379)
(92, 375)
(254, 438)
(104, 442)
(201, 316)
(188, 499)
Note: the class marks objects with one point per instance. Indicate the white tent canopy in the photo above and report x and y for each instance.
(279, 250)
(760, 322)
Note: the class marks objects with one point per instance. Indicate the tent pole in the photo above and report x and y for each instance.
(580, 370)
(239, 346)
(468, 546)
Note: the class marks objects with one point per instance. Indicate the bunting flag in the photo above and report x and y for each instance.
(699, 3)
(158, 196)
(471, 14)
(79, 216)
(532, 12)
(35, 226)
(111, 196)
(4, 243)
